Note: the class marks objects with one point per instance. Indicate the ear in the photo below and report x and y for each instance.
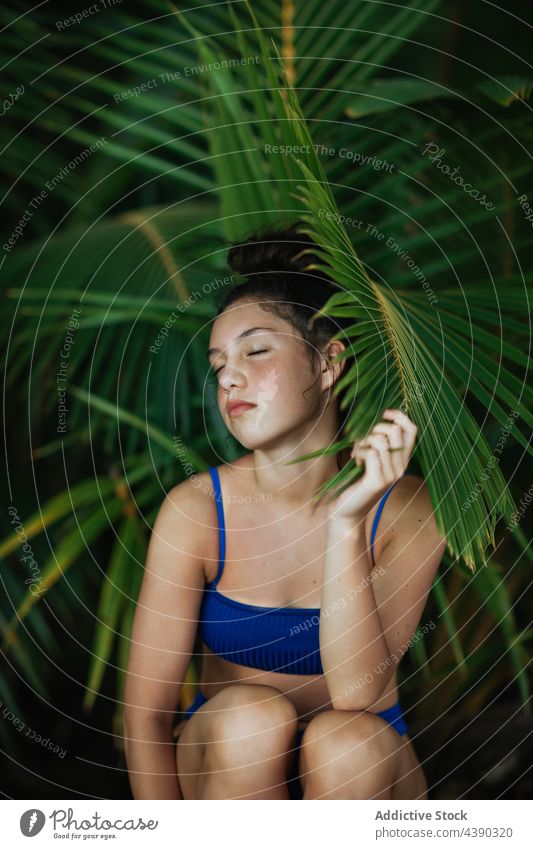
(331, 368)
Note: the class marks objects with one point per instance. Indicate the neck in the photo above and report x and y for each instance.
(295, 485)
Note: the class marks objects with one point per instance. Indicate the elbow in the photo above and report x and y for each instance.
(136, 719)
(353, 702)
(355, 697)
(361, 694)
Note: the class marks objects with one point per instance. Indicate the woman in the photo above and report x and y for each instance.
(302, 609)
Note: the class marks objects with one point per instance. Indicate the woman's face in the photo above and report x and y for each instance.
(268, 367)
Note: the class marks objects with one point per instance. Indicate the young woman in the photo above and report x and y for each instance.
(303, 609)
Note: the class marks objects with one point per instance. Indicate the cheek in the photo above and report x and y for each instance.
(281, 383)
(280, 378)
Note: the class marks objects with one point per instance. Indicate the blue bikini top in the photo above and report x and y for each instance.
(276, 639)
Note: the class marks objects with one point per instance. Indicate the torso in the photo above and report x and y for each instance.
(276, 561)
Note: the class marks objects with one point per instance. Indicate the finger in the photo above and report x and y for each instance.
(398, 444)
(381, 441)
(380, 444)
(409, 427)
(393, 432)
(369, 457)
(399, 417)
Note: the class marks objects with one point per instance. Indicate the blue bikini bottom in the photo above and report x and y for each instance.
(393, 715)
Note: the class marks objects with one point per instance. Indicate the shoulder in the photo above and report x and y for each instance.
(196, 494)
(407, 510)
(193, 496)
(410, 494)
(187, 516)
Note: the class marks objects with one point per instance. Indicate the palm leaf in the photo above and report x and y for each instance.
(94, 504)
(507, 89)
(119, 593)
(452, 450)
(67, 551)
(126, 270)
(387, 93)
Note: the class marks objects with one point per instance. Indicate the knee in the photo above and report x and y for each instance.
(252, 716)
(333, 735)
(256, 705)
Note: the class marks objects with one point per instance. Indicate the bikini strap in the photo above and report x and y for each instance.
(378, 514)
(221, 527)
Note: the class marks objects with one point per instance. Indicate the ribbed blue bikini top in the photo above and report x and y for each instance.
(276, 639)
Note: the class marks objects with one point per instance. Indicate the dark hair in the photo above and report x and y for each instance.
(273, 263)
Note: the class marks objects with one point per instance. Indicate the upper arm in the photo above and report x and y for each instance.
(406, 564)
(167, 610)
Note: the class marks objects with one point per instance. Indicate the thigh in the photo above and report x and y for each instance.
(222, 710)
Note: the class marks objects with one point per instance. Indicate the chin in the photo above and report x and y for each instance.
(258, 441)
(264, 436)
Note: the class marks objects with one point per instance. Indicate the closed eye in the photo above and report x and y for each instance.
(251, 354)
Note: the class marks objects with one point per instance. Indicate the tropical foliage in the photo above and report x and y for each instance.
(408, 175)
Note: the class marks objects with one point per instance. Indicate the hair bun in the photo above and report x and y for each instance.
(271, 250)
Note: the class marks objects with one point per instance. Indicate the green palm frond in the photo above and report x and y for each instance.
(131, 294)
(198, 158)
(358, 39)
(119, 593)
(95, 505)
(388, 93)
(453, 451)
(408, 355)
(507, 89)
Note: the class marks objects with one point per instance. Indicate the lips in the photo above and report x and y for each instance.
(235, 408)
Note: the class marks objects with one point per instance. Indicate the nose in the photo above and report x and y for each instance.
(231, 377)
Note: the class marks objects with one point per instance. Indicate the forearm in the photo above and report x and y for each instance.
(151, 760)
(353, 647)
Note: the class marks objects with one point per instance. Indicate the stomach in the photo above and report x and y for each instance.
(308, 693)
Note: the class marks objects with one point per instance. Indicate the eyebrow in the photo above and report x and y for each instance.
(240, 336)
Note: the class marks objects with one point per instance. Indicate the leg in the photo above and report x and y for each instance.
(294, 785)
(350, 755)
(412, 783)
(238, 745)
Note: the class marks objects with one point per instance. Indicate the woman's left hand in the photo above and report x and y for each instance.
(385, 453)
